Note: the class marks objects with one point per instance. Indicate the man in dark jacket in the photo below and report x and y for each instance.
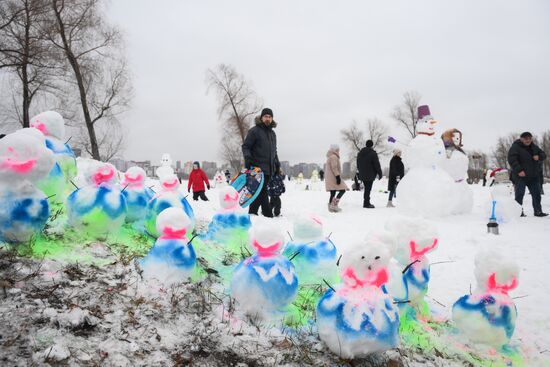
(368, 167)
(396, 173)
(260, 150)
(524, 158)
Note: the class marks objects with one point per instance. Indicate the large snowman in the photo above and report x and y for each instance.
(456, 165)
(358, 317)
(24, 209)
(426, 189)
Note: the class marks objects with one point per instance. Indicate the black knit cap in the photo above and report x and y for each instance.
(369, 144)
(266, 111)
(526, 134)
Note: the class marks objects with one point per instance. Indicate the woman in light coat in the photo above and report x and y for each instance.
(333, 180)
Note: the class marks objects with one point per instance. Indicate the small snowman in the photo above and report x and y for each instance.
(52, 125)
(230, 225)
(358, 317)
(136, 193)
(172, 258)
(99, 208)
(24, 161)
(165, 168)
(410, 274)
(314, 255)
(426, 189)
(488, 315)
(169, 196)
(265, 284)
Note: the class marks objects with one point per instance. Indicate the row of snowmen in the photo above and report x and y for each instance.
(384, 278)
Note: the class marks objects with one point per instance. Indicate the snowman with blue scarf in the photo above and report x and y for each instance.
(357, 317)
(99, 208)
(265, 284)
(488, 315)
(52, 125)
(170, 196)
(24, 161)
(172, 258)
(314, 254)
(136, 193)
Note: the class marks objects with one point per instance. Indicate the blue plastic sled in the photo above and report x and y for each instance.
(248, 184)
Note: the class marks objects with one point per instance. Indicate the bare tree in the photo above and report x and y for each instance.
(92, 49)
(500, 151)
(406, 114)
(111, 140)
(377, 131)
(478, 161)
(354, 138)
(24, 51)
(237, 106)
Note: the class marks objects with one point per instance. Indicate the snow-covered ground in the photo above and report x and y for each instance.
(141, 329)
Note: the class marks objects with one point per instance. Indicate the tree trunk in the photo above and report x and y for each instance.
(24, 69)
(80, 82)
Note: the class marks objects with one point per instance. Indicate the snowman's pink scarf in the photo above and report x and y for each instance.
(20, 167)
(169, 233)
(417, 254)
(266, 251)
(492, 285)
(380, 278)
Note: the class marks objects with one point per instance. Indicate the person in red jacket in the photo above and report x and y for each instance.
(197, 179)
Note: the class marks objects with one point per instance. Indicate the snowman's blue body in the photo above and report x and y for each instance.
(137, 200)
(222, 223)
(22, 214)
(171, 255)
(64, 157)
(164, 201)
(411, 287)
(313, 261)
(264, 284)
(97, 211)
(486, 318)
(350, 329)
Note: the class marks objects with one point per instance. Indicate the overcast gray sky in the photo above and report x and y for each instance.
(482, 66)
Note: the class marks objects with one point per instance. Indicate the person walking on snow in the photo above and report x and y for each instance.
(275, 189)
(260, 150)
(525, 158)
(333, 179)
(197, 179)
(368, 167)
(397, 171)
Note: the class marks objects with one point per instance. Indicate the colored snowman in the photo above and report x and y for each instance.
(51, 124)
(265, 284)
(410, 275)
(358, 317)
(426, 189)
(165, 168)
(169, 196)
(456, 165)
(488, 315)
(172, 258)
(99, 208)
(230, 225)
(24, 209)
(314, 255)
(136, 193)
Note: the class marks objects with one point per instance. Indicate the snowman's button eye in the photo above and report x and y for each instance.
(377, 258)
(362, 257)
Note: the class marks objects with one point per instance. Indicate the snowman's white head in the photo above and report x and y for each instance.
(415, 237)
(170, 183)
(50, 123)
(24, 156)
(229, 198)
(308, 227)
(134, 176)
(173, 224)
(366, 265)
(494, 272)
(166, 160)
(266, 238)
(103, 174)
(426, 123)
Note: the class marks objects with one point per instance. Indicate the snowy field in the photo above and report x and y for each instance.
(61, 314)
